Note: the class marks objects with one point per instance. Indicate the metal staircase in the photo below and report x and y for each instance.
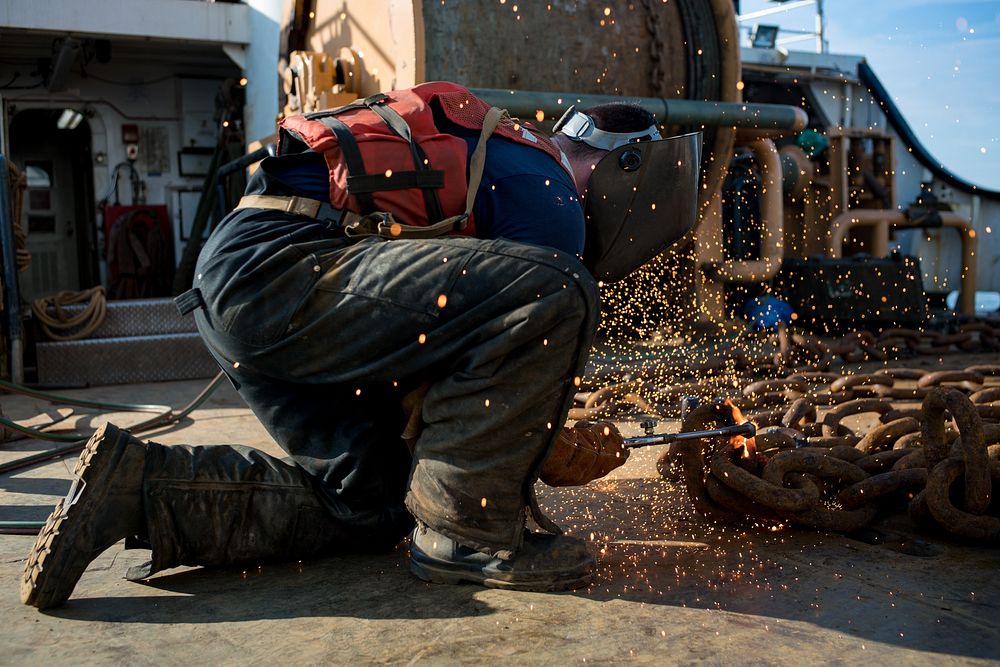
(142, 340)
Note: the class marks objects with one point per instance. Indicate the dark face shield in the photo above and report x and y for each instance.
(641, 199)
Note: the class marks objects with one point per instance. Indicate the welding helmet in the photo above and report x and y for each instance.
(641, 198)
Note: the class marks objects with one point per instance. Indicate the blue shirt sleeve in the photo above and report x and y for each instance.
(531, 208)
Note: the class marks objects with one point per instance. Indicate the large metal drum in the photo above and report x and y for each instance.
(644, 48)
(647, 48)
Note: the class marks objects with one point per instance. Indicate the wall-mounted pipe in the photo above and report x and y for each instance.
(772, 217)
(526, 103)
(884, 220)
(11, 293)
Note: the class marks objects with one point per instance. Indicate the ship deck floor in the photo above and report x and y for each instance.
(672, 588)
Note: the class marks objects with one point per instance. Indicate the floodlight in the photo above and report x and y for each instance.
(764, 36)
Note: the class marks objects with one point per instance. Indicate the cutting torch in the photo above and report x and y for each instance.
(746, 429)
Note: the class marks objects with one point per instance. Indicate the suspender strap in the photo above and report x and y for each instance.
(478, 160)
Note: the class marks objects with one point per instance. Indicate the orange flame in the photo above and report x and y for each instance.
(748, 445)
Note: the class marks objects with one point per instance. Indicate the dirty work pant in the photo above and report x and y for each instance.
(324, 351)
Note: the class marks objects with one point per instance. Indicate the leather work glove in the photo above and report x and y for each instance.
(584, 453)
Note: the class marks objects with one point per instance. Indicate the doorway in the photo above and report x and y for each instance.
(53, 148)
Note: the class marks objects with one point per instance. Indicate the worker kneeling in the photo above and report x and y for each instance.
(401, 301)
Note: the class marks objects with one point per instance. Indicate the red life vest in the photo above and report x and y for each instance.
(386, 154)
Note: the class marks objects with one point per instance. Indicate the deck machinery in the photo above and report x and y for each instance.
(832, 169)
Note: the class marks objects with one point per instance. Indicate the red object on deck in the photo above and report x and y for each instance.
(151, 229)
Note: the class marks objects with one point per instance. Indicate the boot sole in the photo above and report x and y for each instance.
(447, 573)
(54, 567)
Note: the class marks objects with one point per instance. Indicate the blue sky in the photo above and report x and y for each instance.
(939, 59)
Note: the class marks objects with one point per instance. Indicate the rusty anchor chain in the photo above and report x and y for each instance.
(938, 455)
(801, 368)
(820, 474)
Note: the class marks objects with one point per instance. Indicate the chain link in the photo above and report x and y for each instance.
(810, 469)
(657, 75)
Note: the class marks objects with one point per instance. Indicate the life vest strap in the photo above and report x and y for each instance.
(380, 223)
(309, 208)
(397, 180)
(399, 126)
(352, 158)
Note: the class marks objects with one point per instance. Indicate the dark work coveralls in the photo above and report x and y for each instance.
(323, 337)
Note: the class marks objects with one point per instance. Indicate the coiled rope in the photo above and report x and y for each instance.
(62, 325)
(18, 184)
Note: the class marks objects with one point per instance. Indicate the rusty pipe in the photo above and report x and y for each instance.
(885, 220)
(772, 216)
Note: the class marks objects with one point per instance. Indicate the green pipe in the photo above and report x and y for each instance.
(41, 457)
(21, 527)
(164, 415)
(39, 434)
(21, 524)
(172, 417)
(67, 400)
(526, 103)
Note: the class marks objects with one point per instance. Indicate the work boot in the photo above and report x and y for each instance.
(104, 505)
(544, 563)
